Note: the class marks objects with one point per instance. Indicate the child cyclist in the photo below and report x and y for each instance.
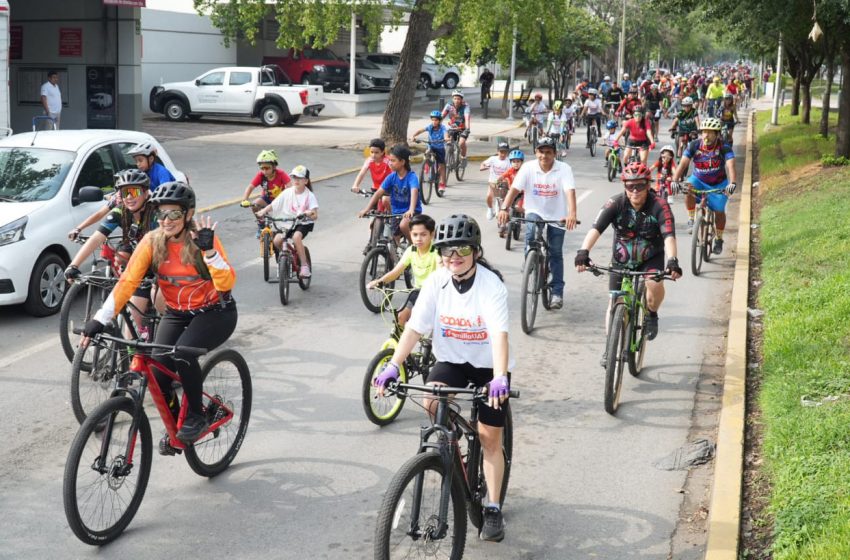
(270, 179)
(516, 157)
(497, 165)
(421, 257)
(377, 165)
(664, 168)
(297, 201)
(146, 160)
(438, 135)
(402, 185)
(611, 142)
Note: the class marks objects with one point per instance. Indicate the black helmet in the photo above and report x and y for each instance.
(174, 192)
(546, 142)
(133, 177)
(458, 229)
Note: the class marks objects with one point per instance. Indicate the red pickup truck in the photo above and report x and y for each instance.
(313, 66)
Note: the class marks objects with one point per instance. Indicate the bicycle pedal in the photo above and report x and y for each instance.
(166, 449)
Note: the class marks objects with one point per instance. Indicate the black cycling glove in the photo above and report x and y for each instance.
(673, 266)
(93, 327)
(582, 257)
(204, 240)
(72, 272)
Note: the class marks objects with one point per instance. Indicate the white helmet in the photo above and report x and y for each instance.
(606, 79)
(625, 75)
(688, 101)
(668, 148)
(592, 91)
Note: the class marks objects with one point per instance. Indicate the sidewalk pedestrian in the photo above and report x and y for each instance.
(51, 97)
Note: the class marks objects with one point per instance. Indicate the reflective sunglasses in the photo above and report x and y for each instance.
(172, 215)
(131, 192)
(636, 187)
(461, 251)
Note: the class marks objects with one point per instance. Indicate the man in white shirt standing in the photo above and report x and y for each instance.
(51, 97)
(550, 194)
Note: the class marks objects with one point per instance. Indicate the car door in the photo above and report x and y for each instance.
(210, 92)
(239, 92)
(97, 170)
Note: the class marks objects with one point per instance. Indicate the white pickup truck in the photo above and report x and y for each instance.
(239, 91)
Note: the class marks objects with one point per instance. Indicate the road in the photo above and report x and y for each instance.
(310, 476)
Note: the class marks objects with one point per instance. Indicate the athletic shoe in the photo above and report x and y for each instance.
(690, 226)
(670, 200)
(193, 426)
(305, 271)
(490, 214)
(557, 302)
(718, 246)
(441, 187)
(493, 528)
(651, 327)
(259, 231)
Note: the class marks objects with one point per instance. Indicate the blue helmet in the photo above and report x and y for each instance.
(516, 154)
(436, 114)
(611, 124)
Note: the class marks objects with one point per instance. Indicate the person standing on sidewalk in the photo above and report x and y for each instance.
(51, 97)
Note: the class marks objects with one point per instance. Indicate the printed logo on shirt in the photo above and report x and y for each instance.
(544, 190)
(463, 329)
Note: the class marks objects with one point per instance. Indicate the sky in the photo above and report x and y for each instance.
(171, 5)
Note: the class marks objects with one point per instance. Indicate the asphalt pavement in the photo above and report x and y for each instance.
(310, 476)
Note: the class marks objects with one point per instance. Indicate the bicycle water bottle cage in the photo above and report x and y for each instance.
(617, 293)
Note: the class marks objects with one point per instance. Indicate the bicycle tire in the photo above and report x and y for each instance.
(90, 388)
(593, 140)
(266, 254)
(517, 230)
(304, 283)
(709, 236)
(392, 541)
(70, 317)
(567, 139)
(209, 456)
(612, 168)
(425, 181)
(696, 247)
(637, 338)
(376, 263)
(535, 138)
(460, 168)
(284, 267)
(509, 233)
(381, 411)
(530, 281)
(616, 345)
(85, 449)
(450, 162)
(545, 288)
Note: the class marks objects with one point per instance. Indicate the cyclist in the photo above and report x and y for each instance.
(294, 202)
(644, 232)
(377, 165)
(640, 135)
(550, 194)
(516, 158)
(728, 115)
(714, 168)
(605, 87)
(626, 83)
(569, 113)
(459, 115)
(497, 165)
(611, 143)
(652, 103)
(438, 135)
(593, 110)
(271, 180)
(534, 114)
(714, 95)
(486, 80)
(196, 279)
(402, 185)
(465, 307)
(629, 104)
(685, 124)
(421, 257)
(614, 98)
(146, 160)
(664, 168)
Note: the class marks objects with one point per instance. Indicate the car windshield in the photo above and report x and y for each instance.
(32, 174)
(363, 63)
(319, 54)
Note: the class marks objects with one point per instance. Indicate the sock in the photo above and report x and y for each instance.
(492, 505)
(692, 213)
(653, 313)
(720, 234)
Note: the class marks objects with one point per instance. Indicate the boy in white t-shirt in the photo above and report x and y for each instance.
(497, 165)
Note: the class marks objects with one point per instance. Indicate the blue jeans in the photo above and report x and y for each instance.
(555, 239)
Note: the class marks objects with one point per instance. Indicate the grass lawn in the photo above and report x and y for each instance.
(805, 248)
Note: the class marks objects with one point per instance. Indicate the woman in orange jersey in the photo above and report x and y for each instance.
(195, 278)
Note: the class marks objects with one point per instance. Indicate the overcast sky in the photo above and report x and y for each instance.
(171, 5)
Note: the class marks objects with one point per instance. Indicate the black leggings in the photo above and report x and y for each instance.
(208, 330)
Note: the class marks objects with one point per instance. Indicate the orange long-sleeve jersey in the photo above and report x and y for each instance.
(181, 284)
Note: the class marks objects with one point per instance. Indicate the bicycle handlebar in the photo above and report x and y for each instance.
(598, 270)
(559, 222)
(193, 351)
(443, 391)
(375, 214)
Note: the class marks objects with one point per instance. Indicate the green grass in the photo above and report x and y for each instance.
(805, 246)
(791, 145)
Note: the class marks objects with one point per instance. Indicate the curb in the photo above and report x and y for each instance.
(725, 508)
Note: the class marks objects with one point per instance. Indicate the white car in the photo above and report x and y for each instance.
(432, 74)
(41, 174)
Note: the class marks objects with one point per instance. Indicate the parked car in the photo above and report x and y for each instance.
(313, 66)
(41, 176)
(431, 74)
(385, 61)
(371, 77)
(239, 91)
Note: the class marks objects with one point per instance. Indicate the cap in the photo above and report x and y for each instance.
(299, 171)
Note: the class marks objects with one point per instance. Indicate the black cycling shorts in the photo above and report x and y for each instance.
(615, 281)
(643, 145)
(411, 299)
(461, 375)
(303, 228)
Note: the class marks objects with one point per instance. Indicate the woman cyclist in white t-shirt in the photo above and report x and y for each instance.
(464, 305)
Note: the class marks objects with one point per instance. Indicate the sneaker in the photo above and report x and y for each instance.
(651, 327)
(718, 246)
(670, 200)
(193, 426)
(493, 528)
(165, 447)
(305, 271)
(441, 187)
(557, 302)
(259, 231)
(690, 226)
(490, 214)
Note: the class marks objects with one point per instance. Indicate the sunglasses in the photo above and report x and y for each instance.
(172, 215)
(636, 187)
(131, 192)
(461, 251)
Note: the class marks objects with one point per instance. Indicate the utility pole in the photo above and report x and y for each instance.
(774, 116)
(621, 51)
(513, 72)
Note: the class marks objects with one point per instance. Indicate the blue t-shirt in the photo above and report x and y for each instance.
(400, 190)
(437, 135)
(709, 163)
(626, 85)
(159, 175)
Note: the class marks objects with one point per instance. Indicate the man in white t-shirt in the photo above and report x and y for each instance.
(550, 194)
(51, 97)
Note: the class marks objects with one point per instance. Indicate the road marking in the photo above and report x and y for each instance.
(583, 196)
(249, 264)
(26, 353)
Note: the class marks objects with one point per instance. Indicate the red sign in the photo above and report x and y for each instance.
(128, 3)
(16, 42)
(70, 41)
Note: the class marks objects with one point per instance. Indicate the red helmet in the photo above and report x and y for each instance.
(636, 171)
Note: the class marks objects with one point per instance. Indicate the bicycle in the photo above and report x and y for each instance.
(592, 135)
(429, 175)
(704, 232)
(535, 274)
(726, 134)
(614, 163)
(454, 162)
(382, 410)
(109, 462)
(513, 228)
(288, 261)
(682, 139)
(626, 341)
(532, 129)
(383, 254)
(424, 511)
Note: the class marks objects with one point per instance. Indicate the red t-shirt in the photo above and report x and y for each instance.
(272, 187)
(636, 133)
(379, 171)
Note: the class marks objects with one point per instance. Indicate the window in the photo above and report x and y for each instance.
(126, 161)
(97, 171)
(240, 78)
(429, 60)
(213, 79)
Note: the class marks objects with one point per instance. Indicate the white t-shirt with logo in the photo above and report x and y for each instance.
(462, 325)
(593, 106)
(289, 204)
(545, 193)
(54, 97)
(497, 167)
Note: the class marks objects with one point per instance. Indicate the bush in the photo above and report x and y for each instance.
(833, 161)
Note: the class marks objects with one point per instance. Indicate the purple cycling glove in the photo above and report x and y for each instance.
(500, 387)
(390, 373)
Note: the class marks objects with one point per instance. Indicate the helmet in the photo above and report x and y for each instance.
(557, 105)
(457, 93)
(516, 154)
(142, 149)
(267, 156)
(503, 146)
(457, 229)
(592, 91)
(300, 171)
(625, 76)
(133, 177)
(569, 98)
(688, 101)
(653, 86)
(636, 171)
(710, 124)
(728, 96)
(538, 95)
(639, 110)
(174, 192)
(546, 142)
(435, 114)
(611, 124)
(716, 79)
(606, 79)
(633, 89)
(668, 148)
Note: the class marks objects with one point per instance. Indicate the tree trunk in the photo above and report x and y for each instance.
(397, 114)
(827, 94)
(795, 95)
(842, 137)
(806, 118)
(506, 98)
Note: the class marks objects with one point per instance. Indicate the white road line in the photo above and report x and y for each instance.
(26, 353)
(253, 262)
(584, 195)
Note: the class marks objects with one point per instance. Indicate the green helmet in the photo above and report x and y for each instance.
(267, 156)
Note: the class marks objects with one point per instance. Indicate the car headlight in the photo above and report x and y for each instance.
(365, 80)
(13, 232)
(320, 67)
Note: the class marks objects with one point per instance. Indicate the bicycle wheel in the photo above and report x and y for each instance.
(425, 181)
(450, 162)
(637, 338)
(409, 519)
(81, 301)
(568, 137)
(460, 168)
(101, 497)
(228, 380)
(381, 410)
(376, 263)
(709, 236)
(612, 168)
(304, 283)
(593, 140)
(697, 240)
(534, 138)
(284, 267)
(509, 233)
(90, 388)
(545, 288)
(266, 242)
(616, 346)
(530, 283)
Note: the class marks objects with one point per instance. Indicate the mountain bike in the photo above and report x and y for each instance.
(726, 134)
(288, 262)
(626, 341)
(424, 511)
(704, 232)
(532, 129)
(615, 166)
(109, 463)
(429, 175)
(382, 410)
(454, 162)
(382, 257)
(535, 274)
(592, 135)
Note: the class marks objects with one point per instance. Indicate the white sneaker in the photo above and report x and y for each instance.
(305, 271)
(490, 214)
(670, 200)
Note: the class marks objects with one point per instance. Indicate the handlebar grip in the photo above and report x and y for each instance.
(78, 330)
(513, 393)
